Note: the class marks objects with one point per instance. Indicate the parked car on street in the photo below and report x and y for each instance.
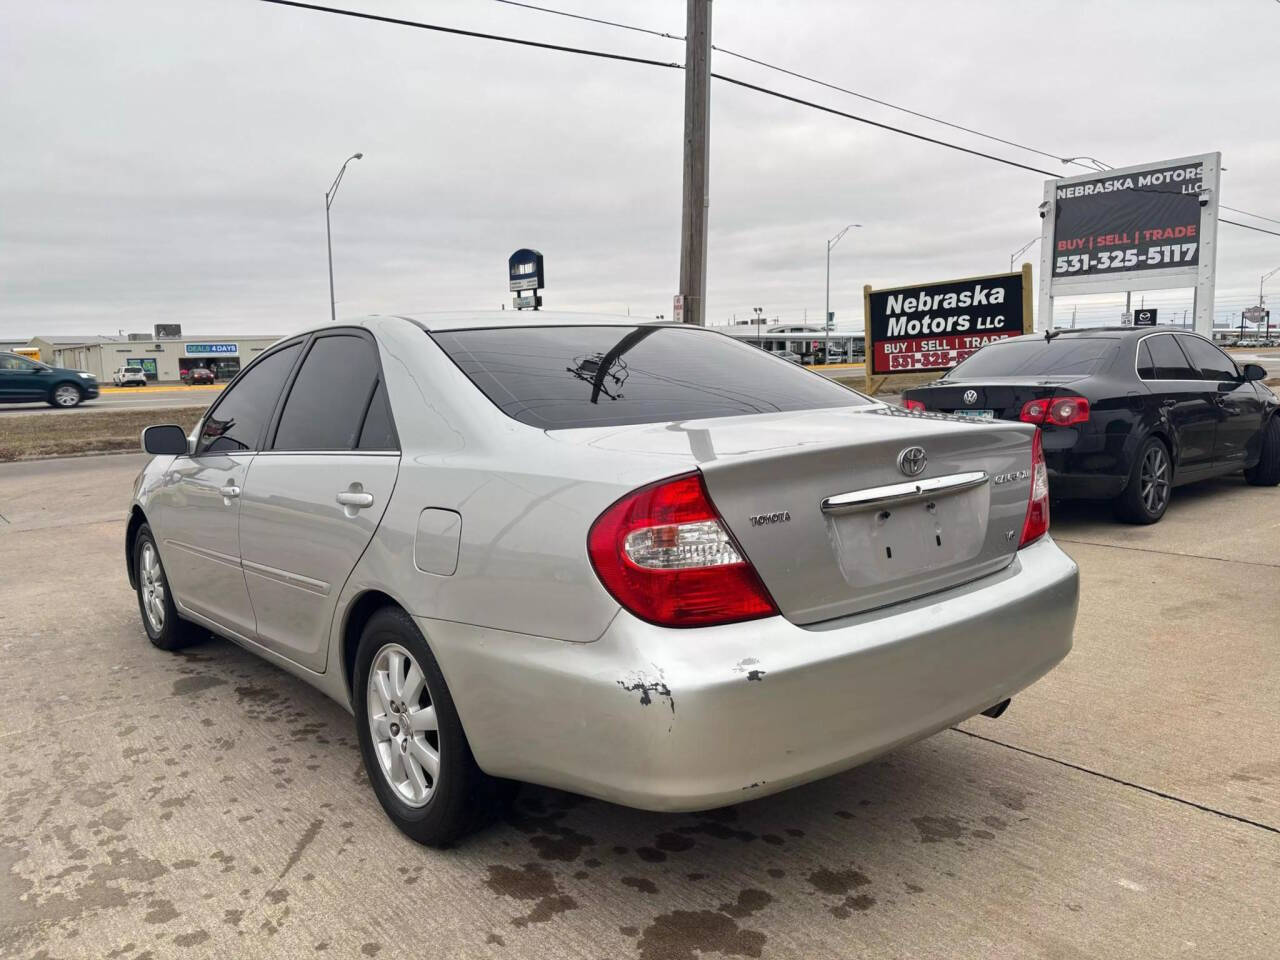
(23, 380)
(129, 377)
(197, 375)
(647, 563)
(788, 355)
(1127, 414)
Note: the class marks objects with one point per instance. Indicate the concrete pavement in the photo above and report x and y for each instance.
(207, 804)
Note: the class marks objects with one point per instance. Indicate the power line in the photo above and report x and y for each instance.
(519, 41)
(600, 54)
(1256, 216)
(891, 106)
(579, 16)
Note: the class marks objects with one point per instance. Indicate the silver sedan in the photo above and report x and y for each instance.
(646, 563)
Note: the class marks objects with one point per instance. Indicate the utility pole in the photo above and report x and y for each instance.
(826, 317)
(697, 106)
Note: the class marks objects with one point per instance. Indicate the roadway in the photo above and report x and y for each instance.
(156, 397)
(209, 805)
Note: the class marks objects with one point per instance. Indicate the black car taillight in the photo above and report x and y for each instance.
(1056, 411)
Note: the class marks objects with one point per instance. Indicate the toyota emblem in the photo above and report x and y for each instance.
(911, 461)
(971, 396)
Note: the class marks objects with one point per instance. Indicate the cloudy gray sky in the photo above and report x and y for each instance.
(166, 160)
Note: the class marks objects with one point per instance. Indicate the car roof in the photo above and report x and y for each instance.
(1118, 333)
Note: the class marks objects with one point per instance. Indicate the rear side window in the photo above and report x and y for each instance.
(1170, 362)
(379, 432)
(238, 420)
(1211, 362)
(327, 403)
(1146, 366)
(1036, 357)
(562, 377)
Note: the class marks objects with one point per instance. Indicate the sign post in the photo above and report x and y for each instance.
(1148, 227)
(918, 332)
(526, 272)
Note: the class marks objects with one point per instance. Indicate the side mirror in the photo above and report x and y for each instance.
(1254, 371)
(169, 439)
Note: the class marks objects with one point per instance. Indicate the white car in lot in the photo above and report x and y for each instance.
(128, 376)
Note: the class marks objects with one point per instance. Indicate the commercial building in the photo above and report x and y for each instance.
(163, 359)
(812, 342)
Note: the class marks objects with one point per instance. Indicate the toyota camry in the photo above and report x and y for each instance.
(645, 563)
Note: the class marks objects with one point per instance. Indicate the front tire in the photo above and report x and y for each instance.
(415, 752)
(1266, 472)
(1146, 496)
(65, 396)
(165, 629)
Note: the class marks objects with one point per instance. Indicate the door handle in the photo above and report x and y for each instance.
(229, 492)
(352, 498)
(1168, 403)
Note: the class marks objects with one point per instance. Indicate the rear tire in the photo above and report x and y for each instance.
(1266, 472)
(415, 751)
(1146, 495)
(165, 629)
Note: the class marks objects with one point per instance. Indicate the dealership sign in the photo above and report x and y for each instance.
(929, 328)
(1147, 227)
(211, 349)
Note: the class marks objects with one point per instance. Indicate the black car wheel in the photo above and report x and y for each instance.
(1146, 496)
(415, 752)
(1266, 473)
(66, 396)
(165, 629)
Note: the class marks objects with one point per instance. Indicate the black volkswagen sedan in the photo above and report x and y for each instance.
(1127, 414)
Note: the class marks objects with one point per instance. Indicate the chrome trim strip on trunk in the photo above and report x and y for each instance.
(894, 494)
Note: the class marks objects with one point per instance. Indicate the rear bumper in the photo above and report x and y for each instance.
(691, 719)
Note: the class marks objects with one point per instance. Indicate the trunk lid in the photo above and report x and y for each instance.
(1003, 396)
(769, 476)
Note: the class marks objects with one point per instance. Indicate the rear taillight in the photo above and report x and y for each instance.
(1036, 524)
(665, 555)
(914, 406)
(1057, 411)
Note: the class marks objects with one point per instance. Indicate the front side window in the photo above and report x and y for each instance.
(327, 403)
(1169, 360)
(603, 376)
(238, 420)
(1212, 363)
(11, 361)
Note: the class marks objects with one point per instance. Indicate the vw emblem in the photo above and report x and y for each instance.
(971, 396)
(911, 461)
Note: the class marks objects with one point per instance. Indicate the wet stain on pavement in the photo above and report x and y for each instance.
(531, 882)
(641, 884)
(690, 934)
(184, 686)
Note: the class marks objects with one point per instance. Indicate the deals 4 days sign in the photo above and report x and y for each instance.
(929, 328)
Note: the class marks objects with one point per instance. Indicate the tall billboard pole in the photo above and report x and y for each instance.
(693, 219)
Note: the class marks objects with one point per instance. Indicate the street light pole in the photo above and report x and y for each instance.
(328, 236)
(1020, 251)
(1261, 301)
(826, 316)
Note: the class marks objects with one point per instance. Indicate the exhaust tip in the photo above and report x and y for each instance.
(998, 709)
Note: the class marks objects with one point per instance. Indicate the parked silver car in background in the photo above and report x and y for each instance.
(646, 563)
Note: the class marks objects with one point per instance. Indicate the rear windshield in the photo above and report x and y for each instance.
(556, 378)
(1036, 357)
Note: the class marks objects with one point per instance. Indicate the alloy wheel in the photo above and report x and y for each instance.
(402, 721)
(152, 586)
(1155, 480)
(66, 395)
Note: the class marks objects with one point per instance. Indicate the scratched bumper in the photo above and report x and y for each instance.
(691, 719)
